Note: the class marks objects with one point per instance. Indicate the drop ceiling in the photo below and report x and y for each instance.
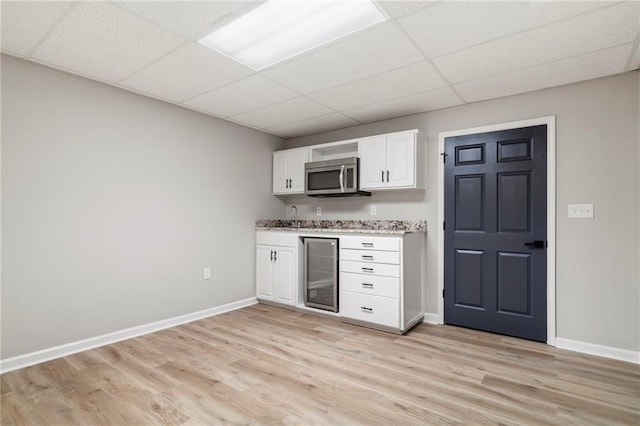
(427, 56)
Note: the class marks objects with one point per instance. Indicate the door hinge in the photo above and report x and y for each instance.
(444, 227)
(444, 157)
(443, 293)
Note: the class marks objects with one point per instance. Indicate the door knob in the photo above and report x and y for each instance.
(536, 244)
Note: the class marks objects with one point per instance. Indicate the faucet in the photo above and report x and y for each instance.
(296, 224)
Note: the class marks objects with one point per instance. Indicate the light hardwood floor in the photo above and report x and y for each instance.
(265, 365)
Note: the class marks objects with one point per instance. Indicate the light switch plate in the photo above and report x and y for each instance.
(374, 210)
(207, 273)
(581, 211)
(318, 211)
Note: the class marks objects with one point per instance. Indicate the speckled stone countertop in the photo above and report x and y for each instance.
(393, 227)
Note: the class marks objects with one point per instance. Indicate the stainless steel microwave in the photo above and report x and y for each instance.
(333, 178)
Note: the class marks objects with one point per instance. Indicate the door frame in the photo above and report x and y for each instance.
(550, 122)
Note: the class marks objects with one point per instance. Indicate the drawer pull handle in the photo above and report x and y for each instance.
(367, 257)
(367, 269)
(367, 244)
(368, 285)
(365, 309)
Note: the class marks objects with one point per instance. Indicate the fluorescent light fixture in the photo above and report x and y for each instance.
(281, 29)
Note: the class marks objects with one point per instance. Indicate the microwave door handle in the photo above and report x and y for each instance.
(342, 178)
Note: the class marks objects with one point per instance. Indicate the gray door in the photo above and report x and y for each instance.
(495, 232)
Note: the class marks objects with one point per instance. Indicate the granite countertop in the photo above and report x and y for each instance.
(393, 227)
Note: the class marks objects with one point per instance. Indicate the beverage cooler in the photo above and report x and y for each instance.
(321, 273)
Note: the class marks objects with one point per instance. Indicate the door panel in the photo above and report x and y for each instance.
(473, 154)
(514, 283)
(514, 205)
(495, 202)
(470, 203)
(468, 279)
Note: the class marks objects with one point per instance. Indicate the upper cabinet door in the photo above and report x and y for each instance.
(401, 161)
(298, 158)
(388, 161)
(372, 153)
(280, 177)
(288, 171)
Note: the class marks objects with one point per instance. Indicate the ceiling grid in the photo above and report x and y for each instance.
(429, 55)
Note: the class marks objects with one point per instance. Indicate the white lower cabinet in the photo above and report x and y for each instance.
(381, 278)
(277, 268)
(378, 310)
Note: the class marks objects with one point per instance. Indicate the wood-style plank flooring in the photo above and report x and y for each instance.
(265, 365)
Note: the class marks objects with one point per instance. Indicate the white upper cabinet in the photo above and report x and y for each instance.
(391, 161)
(288, 171)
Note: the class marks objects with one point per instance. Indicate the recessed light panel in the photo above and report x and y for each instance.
(281, 29)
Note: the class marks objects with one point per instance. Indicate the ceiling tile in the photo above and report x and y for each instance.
(597, 30)
(187, 72)
(405, 81)
(283, 113)
(314, 125)
(435, 99)
(399, 8)
(377, 49)
(242, 96)
(450, 26)
(103, 41)
(24, 23)
(585, 67)
(189, 19)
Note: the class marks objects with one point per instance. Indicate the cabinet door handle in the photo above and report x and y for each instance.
(382, 175)
(271, 255)
(387, 176)
(367, 244)
(370, 270)
(275, 255)
(367, 257)
(367, 285)
(366, 309)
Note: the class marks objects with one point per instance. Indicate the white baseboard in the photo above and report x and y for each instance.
(599, 350)
(430, 318)
(37, 357)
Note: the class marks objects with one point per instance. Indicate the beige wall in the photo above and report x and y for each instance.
(112, 204)
(597, 162)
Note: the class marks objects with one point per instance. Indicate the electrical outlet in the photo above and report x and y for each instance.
(318, 211)
(580, 211)
(207, 273)
(373, 210)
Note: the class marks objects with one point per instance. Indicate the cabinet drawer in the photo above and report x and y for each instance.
(374, 309)
(392, 257)
(370, 284)
(277, 238)
(370, 243)
(368, 268)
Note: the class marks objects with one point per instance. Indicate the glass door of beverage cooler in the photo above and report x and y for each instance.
(321, 273)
